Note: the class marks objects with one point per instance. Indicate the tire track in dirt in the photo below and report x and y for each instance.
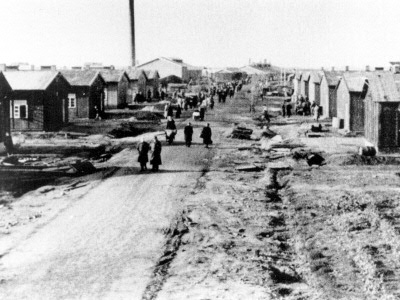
(281, 262)
(161, 270)
(179, 227)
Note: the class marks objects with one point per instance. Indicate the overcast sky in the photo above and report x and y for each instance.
(215, 33)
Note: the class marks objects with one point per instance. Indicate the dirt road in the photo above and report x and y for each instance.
(109, 242)
(203, 229)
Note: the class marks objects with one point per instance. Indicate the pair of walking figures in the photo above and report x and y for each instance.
(144, 148)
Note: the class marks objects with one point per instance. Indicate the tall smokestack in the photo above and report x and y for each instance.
(132, 17)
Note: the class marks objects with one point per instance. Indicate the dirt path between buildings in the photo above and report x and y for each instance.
(108, 242)
(200, 229)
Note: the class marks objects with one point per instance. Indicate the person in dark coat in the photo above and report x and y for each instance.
(8, 143)
(224, 94)
(171, 123)
(170, 130)
(288, 109)
(186, 104)
(188, 131)
(219, 93)
(195, 101)
(143, 158)
(206, 135)
(212, 102)
(178, 112)
(156, 155)
(170, 111)
(202, 112)
(231, 92)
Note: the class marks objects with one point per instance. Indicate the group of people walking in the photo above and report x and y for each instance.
(206, 134)
(205, 98)
(143, 158)
(224, 90)
(144, 147)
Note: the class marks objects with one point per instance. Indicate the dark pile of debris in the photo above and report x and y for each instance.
(268, 133)
(312, 158)
(143, 115)
(53, 135)
(250, 168)
(241, 132)
(84, 150)
(317, 130)
(360, 160)
(31, 168)
(129, 129)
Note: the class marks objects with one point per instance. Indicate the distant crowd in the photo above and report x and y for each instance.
(305, 108)
(181, 100)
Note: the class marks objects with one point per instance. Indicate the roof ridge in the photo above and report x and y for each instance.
(56, 73)
(94, 77)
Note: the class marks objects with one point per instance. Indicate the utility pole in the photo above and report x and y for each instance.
(132, 19)
(284, 77)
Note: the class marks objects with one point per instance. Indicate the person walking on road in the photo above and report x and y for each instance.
(143, 158)
(219, 93)
(224, 94)
(171, 123)
(188, 131)
(212, 102)
(178, 111)
(156, 155)
(231, 92)
(288, 109)
(170, 111)
(206, 135)
(170, 130)
(202, 111)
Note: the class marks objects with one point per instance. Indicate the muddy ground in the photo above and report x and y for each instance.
(202, 229)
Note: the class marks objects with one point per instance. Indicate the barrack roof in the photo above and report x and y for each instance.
(135, 74)
(113, 75)
(30, 80)
(333, 77)
(383, 87)
(81, 77)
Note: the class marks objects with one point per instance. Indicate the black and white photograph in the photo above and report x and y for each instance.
(200, 150)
